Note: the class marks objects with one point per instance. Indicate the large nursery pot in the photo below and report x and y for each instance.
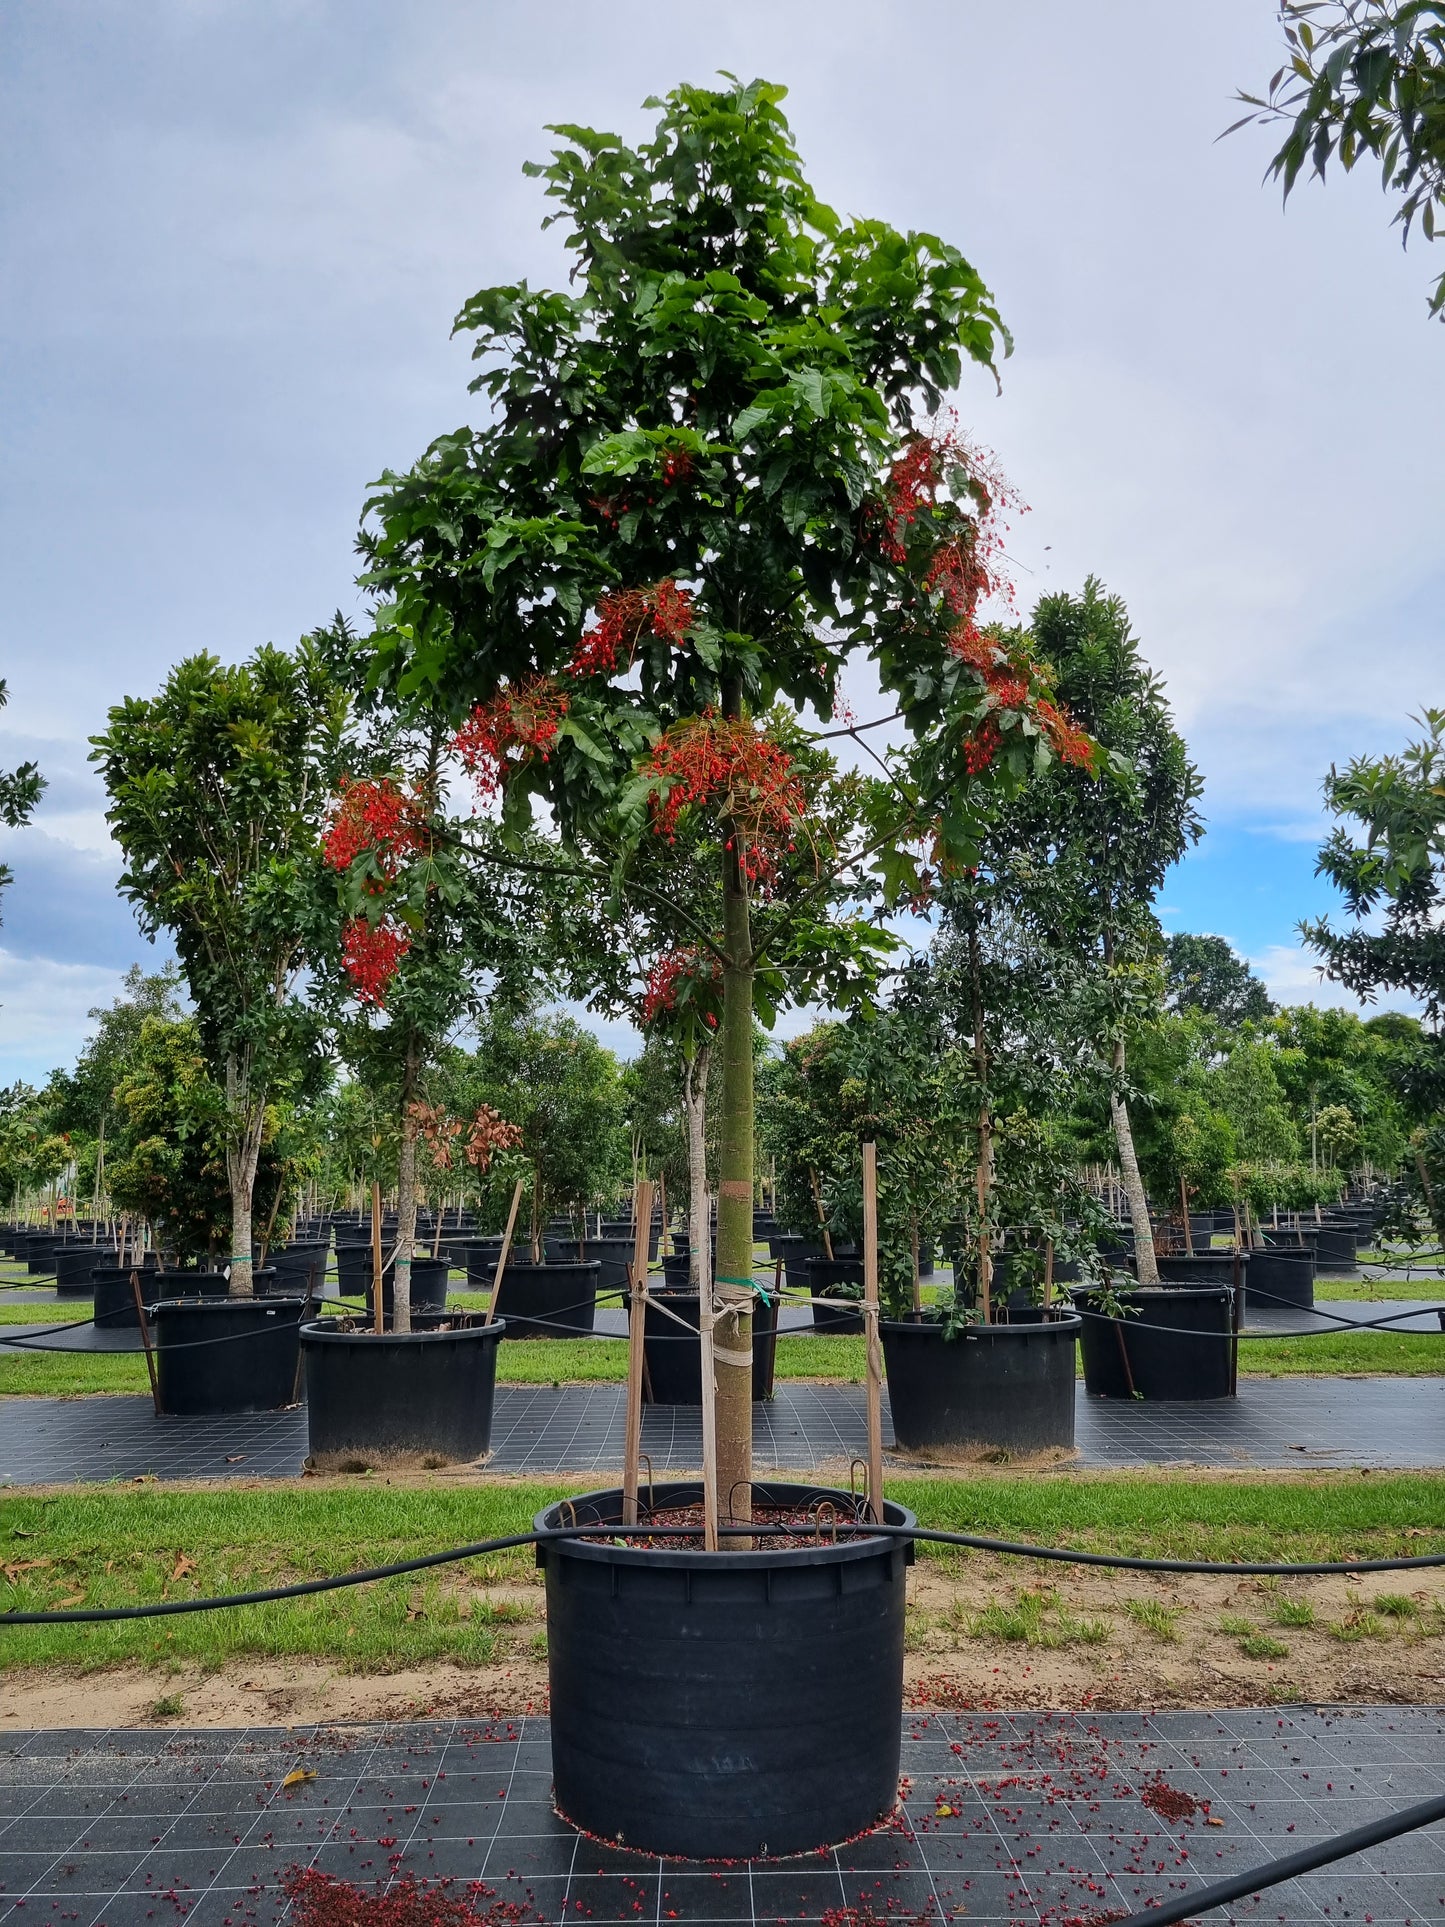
(221, 1354)
(614, 1255)
(721, 1705)
(299, 1267)
(673, 1357)
(74, 1265)
(1336, 1250)
(40, 1254)
(115, 1297)
(1176, 1342)
(481, 1262)
(1281, 1277)
(400, 1395)
(1007, 1388)
(824, 1277)
(795, 1253)
(1212, 1268)
(549, 1301)
(428, 1288)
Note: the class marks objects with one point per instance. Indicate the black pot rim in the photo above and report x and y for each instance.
(1162, 1290)
(225, 1301)
(317, 1333)
(1071, 1322)
(664, 1557)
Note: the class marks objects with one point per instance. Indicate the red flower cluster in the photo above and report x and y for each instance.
(669, 973)
(525, 718)
(621, 618)
(370, 955)
(982, 746)
(677, 466)
(748, 780)
(490, 1133)
(375, 816)
(1071, 744)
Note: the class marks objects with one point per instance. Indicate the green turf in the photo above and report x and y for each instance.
(116, 1545)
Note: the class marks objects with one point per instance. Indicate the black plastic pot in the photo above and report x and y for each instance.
(1336, 1251)
(481, 1262)
(40, 1255)
(1179, 1344)
(549, 1301)
(74, 1265)
(824, 1276)
(664, 1742)
(428, 1288)
(1282, 1277)
(619, 1231)
(673, 1356)
(1005, 1387)
(1217, 1268)
(795, 1253)
(298, 1269)
(225, 1354)
(114, 1298)
(614, 1255)
(398, 1395)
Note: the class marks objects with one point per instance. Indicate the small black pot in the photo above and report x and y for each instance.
(824, 1275)
(1191, 1358)
(1005, 1387)
(74, 1265)
(1281, 1277)
(674, 1358)
(422, 1394)
(220, 1354)
(428, 1288)
(662, 1742)
(549, 1301)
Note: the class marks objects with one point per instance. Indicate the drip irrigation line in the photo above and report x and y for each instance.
(606, 1529)
(1324, 1853)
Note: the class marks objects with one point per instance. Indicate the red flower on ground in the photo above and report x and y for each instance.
(370, 955)
(525, 719)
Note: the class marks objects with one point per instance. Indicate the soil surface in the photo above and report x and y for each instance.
(982, 1634)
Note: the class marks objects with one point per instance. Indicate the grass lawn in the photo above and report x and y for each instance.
(120, 1545)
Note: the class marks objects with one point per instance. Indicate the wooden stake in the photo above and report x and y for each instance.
(1184, 1207)
(822, 1216)
(377, 1318)
(875, 1343)
(1048, 1273)
(145, 1339)
(637, 1283)
(505, 1251)
(662, 1207)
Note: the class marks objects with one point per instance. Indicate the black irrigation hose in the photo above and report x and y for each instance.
(1324, 1853)
(593, 1528)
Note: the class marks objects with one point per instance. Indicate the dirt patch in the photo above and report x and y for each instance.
(266, 1693)
(981, 1635)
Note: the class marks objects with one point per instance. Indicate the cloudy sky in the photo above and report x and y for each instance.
(234, 234)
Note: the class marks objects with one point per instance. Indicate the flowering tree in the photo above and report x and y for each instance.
(709, 478)
(218, 787)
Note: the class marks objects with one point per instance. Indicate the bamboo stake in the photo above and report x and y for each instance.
(875, 1343)
(637, 1283)
(505, 1251)
(377, 1317)
(822, 1215)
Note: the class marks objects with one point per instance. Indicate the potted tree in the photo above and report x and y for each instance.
(721, 430)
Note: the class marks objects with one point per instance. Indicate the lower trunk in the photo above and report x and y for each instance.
(984, 1179)
(246, 1122)
(733, 1331)
(536, 1232)
(405, 1196)
(694, 1104)
(1145, 1261)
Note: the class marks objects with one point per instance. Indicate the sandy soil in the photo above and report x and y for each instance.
(1090, 1638)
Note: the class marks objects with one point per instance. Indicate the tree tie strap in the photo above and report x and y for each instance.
(751, 1283)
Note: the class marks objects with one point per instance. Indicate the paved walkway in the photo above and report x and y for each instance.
(1037, 1818)
(578, 1429)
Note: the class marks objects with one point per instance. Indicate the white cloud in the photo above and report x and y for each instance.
(1291, 975)
(43, 1008)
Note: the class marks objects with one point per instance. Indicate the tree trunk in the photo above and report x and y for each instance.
(405, 1195)
(246, 1124)
(1145, 1262)
(734, 1327)
(984, 1177)
(694, 1104)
